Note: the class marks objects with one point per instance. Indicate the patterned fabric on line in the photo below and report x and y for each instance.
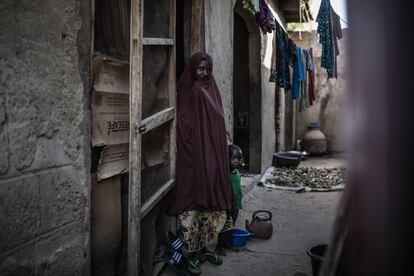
(329, 30)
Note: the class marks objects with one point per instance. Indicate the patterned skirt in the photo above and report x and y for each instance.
(197, 228)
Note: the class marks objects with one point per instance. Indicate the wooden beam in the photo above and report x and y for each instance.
(156, 197)
(156, 120)
(197, 26)
(112, 60)
(135, 99)
(157, 41)
(172, 90)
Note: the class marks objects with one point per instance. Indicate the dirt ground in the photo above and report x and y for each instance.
(300, 221)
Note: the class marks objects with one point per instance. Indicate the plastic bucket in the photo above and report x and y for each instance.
(316, 253)
(239, 237)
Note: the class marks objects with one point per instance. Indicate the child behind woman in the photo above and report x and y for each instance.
(236, 161)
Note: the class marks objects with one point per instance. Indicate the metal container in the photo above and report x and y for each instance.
(285, 159)
(261, 225)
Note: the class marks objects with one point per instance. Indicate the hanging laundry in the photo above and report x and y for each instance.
(329, 31)
(280, 72)
(304, 102)
(292, 51)
(337, 30)
(249, 6)
(311, 74)
(264, 18)
(299, 75)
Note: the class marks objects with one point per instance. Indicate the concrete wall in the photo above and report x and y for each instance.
(219, 44)
(44, 137)
(268, 104)
(329, 108)
(219, 16)
(272, 100)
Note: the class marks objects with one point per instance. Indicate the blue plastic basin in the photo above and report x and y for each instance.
(239, 237)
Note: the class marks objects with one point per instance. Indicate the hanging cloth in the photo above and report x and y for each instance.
(292, 51)
(329, 31)
(304, 102)
(311, 74)
(280, 70)
(265, 19)
(298, 73)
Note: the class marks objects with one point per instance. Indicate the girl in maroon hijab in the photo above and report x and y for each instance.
(202, 193)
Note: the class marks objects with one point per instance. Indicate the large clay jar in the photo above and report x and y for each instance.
(314, 141)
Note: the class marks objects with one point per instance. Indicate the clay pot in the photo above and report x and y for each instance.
(314, 141)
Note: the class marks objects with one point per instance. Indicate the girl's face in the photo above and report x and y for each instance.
(203, 71)
(236, 160)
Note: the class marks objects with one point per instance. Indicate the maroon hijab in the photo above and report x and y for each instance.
(202, 175)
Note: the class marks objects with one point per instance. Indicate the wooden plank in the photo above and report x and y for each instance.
(134, 199)
(172, 84)
(156, 197)
(111, 60)
(197, 26)
(156, 120)
(157, 41)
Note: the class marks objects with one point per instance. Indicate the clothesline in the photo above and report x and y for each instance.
(289, 55)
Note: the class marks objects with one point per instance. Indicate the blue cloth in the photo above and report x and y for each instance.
(299, 74)
(281, 72)
(329, 30)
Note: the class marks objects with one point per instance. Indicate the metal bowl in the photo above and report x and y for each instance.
(285, 159)
(302, 154)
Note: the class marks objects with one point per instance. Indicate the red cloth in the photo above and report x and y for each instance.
(202, 174)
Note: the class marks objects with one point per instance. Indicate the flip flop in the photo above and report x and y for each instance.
(194, 266)
(212, 257)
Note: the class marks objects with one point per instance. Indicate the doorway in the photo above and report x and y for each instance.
(247, 89)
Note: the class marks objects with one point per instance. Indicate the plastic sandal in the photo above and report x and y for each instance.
(194, 266)
(212, 257)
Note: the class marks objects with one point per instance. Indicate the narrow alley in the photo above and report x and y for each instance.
(139, 137)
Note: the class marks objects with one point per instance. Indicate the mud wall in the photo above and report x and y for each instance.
(44, 137)
(329, 108)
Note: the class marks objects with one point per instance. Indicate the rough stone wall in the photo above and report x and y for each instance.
(329, 108)
(44, 137)
(219, 44)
